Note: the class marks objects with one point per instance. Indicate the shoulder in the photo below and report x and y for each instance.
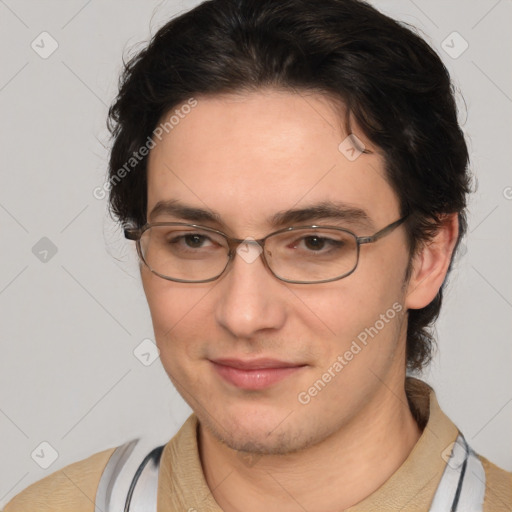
(498, 487)
(70, 488)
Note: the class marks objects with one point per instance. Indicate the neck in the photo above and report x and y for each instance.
(335, 474)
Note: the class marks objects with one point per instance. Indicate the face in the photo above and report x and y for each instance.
(247, 158)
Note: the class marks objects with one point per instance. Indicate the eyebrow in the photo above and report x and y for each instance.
(325, 210)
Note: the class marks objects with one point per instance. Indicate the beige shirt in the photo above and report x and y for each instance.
(182, 485)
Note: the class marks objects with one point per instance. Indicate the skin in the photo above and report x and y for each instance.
(248, 156)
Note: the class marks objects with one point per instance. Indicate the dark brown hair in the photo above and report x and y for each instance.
(391, 81)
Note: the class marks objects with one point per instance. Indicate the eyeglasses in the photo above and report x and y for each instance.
(188, 253)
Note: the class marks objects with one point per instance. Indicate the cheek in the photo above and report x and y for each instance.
(349, 305)
(366, 306)
(178, 314)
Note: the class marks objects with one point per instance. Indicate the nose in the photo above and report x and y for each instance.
(249, 298)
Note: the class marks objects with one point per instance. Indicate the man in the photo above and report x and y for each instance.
(294, 178)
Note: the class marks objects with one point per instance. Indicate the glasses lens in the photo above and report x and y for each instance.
(312, 255)
(184, 253)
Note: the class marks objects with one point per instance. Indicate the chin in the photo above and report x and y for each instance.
(274, 433)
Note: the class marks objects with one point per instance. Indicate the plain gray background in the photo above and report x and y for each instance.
(72, 316)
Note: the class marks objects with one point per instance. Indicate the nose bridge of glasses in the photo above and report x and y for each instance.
(235, 244)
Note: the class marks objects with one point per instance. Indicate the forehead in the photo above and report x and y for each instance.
(248, 156)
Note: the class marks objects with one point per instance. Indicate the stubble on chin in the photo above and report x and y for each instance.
(247, 442)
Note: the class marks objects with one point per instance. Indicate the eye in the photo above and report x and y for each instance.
(314, 243)
(194, 241)
(317, 243)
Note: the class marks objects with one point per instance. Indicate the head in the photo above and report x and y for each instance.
(239, 111)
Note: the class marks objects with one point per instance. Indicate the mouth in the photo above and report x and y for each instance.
(255, 374)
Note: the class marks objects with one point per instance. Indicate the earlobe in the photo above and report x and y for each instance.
(431, 264)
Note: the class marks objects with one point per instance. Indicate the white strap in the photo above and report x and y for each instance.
(473, 492)
(462, 486)
(142, 496)
(106, 499)
(129, 482)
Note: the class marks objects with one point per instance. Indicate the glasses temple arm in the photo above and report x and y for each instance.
(383, 232)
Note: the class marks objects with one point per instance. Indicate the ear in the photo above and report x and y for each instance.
(431, 263)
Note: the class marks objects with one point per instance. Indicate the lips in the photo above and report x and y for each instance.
(255, 374)
(256, 364)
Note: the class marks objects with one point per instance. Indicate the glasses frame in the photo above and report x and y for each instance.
(135, 234)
